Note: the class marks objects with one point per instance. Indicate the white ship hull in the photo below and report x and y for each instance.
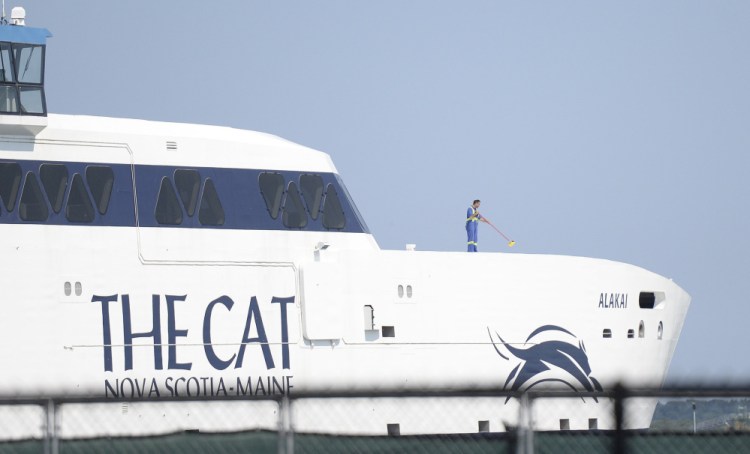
(237, 311)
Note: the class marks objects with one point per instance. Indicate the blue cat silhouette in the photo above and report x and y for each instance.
(539, 357)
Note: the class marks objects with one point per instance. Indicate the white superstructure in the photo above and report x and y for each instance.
(145, 259)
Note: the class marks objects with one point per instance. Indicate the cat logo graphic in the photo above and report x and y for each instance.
(550, 354)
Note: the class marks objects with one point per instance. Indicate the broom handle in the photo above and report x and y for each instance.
(497, 230)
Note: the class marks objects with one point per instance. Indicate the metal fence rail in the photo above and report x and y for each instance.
(687, 420)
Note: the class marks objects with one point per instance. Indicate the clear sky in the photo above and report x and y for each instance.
(618, 130)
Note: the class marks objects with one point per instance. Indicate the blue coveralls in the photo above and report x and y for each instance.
(471, 229)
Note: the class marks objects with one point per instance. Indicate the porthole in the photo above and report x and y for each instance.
(607, 333)
(641, 330)
(660, 331)
(631, 333)
(400, 291)
(646, 300)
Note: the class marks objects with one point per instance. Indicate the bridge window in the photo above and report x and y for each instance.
(8, 99)
(29, 62)
(312, 192)
(211, 211)
(21, 76)
(32, 100)
(33, 206)
(55, 181)
(10, 181)
(333, 214)
(188, 184)
(79, 208)
(272, 188)
(100, 180)
(6, 64)
(168, 210)
(294, 213)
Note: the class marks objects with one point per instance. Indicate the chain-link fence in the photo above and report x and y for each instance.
(685, 420)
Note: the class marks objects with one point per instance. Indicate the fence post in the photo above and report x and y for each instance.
(51, 427)
(525, 429)
(286, 431)
(620, 395)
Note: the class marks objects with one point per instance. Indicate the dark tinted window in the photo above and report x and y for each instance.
(8, 99)
(79, 208)
(33, 207)
(272, 188)
(168, 210)
(294, 215)
(10, 181)
(55, 181)
(6, 64)
(312, 192)
(646, 300)
(32, 99)
(333, 214)
(100, 180)
(29, 62)
(211, 212)
(188, 184)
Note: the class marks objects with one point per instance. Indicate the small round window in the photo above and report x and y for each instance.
(660, 330)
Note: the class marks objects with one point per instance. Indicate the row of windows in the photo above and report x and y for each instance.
(188, 182)
(293, 212)
(181, 197)
(607, 333)
(54, 179)
(279, 197)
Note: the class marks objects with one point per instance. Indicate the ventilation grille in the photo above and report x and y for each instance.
(171, 145)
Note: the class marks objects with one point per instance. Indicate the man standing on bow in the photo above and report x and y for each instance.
(472, 222)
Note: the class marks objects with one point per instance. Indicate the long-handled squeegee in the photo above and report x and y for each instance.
(511, 243)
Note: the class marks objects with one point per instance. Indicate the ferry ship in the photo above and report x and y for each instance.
(145, 259)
